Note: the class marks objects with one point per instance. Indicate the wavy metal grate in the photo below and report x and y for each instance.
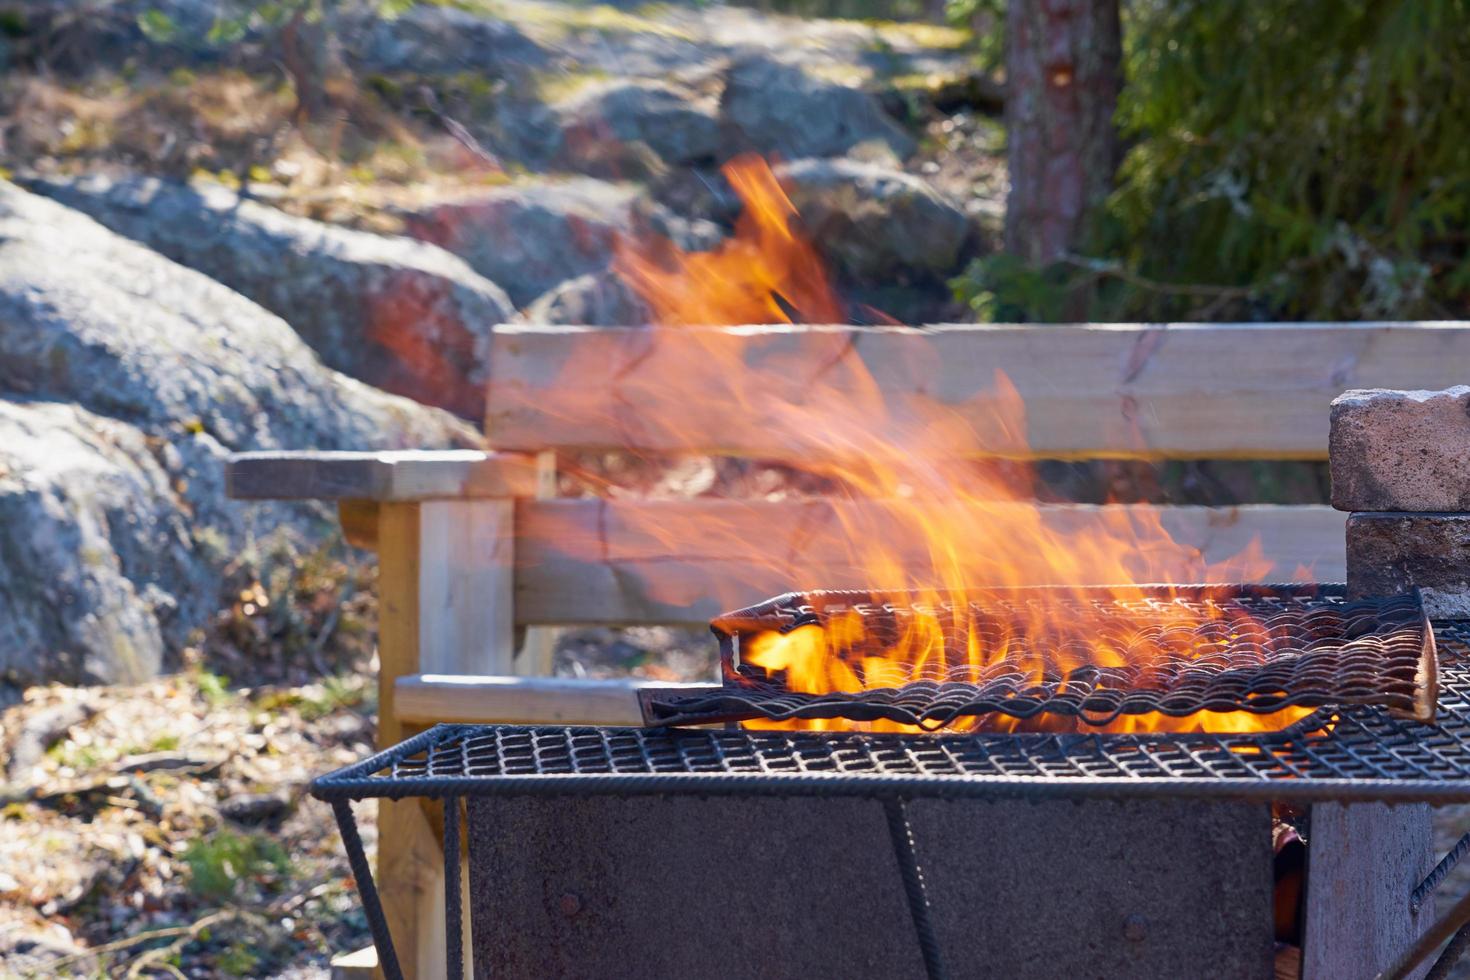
(1359, 753)
(1185, 649)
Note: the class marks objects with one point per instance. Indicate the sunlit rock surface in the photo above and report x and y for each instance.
(125, 380)
(399, 314)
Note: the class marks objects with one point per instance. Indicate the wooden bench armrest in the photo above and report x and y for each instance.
(380, 476)
(428, 698)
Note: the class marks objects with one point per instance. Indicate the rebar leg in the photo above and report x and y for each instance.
(372, 906)
(1452, 954)
(1441, 871)
(902, 836)
(454, 910)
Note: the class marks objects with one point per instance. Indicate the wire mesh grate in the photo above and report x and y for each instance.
(1178, 650)
(1358, 753)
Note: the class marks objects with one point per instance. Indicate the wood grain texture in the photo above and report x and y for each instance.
(382, 476)
(523, 700)
(1363, 860)
(410, 861)
(466, 624)
(1103, 390)
(684, 562)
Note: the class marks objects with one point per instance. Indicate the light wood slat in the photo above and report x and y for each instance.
(683, 562)
(381, 476)
(466, 549)
(410, 865)
(431, 698)
(1147, 391)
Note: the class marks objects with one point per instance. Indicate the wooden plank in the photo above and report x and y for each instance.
(537, 650)
(381, 476)
(465, 586)
(1109, 390)
(410, 862)
(1363, 860)
(360, 964)
(683, 562)
(359, 520)
(431, 698)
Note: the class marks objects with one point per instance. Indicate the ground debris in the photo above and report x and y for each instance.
(168, 830)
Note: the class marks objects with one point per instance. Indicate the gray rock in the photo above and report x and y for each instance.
(771, 107)
(1401, 450)
(435, 39)
(399, 314)
(872, 222)
(598, 299)
(114, 526)
(529, 237)
(675, 125)
(1391, 554)
(86, 527)
(256, 808)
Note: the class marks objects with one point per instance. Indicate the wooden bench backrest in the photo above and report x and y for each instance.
(1201, 391)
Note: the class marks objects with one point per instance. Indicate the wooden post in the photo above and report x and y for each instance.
(537, 644)
(444, 600)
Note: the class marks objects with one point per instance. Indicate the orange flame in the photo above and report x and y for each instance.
(913, 510)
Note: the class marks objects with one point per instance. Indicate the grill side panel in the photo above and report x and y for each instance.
(771, 888)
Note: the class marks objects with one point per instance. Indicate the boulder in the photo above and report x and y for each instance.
(114, 526)
(598, 299)
(772, 107)
(89, 542)
(434, 39)
(675, 125)
(399, 314)
(530, 237)
(872, 222)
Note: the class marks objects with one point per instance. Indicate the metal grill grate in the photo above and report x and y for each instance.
(1186, 649)
(1359, 753)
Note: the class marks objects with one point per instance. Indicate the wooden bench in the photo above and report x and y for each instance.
(468, 543)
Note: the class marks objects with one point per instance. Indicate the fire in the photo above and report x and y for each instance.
(914, 509)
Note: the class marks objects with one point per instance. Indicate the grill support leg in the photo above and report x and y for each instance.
(372, 905)
(453, 905)
(902, 836)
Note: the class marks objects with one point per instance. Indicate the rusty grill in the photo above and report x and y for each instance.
(1360, 752)
(1185, 650)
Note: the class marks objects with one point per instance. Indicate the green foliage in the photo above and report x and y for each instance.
(1316, 151)
(216, 689)
(238, 960)
(157, 26)
(220, 863)
(1307, 159)
(987, 19)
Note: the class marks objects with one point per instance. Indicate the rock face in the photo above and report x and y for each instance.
(598, 299)
(871, 221)
(1401, 450)
(771, 107)
(434, 39)
(675, 126)
(114, 527)
(532, 237)
(399, 314)
(88, 536)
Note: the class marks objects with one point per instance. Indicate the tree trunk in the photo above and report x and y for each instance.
(1063, 73)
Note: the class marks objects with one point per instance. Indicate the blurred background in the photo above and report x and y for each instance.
(250, 225)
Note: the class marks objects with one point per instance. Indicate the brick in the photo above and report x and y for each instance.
(1390, 554)
(1401, 451)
